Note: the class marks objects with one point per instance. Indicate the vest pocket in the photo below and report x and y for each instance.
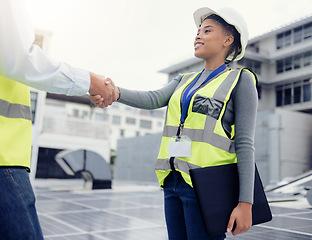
(208, 106)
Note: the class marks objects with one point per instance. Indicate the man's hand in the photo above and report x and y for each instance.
(100, 86)
(242, 218)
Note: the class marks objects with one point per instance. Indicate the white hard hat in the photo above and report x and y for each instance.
(232, 17)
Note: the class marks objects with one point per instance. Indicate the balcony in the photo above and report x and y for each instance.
(75, 127)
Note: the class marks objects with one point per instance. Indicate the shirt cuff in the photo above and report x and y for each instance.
(81, 82)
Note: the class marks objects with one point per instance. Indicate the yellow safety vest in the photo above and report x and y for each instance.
(210, 145)
(15, 123)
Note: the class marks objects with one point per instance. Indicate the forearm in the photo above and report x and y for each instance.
(142, 99)
(22, 61)
(245, 104)
(148, 99)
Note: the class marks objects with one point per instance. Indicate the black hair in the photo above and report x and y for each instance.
(229, 30)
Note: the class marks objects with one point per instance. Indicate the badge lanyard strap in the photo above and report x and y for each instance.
(186, 98)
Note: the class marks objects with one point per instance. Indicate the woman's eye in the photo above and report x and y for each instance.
(206, 31)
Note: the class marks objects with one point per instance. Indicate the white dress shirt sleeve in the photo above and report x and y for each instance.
(24, 62)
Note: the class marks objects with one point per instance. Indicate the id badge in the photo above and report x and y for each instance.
(180, 147)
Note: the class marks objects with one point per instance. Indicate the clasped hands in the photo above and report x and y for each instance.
(103, 91)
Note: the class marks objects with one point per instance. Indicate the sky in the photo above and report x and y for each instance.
(130, 41)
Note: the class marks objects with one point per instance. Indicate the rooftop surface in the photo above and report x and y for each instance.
(135, 212)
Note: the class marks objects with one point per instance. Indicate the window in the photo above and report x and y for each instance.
(294, 62)
(279, 66)
(307, 31)
(297, 61)
(287, 94)
(85, 114)
(75, 113)
(146, 124)
(254, 66)
(279, 96)
(297, 93)
(307, 90)
(106, 117)
(130, 121)
(293, 93)
(33, 105)
(254, 47)
(122, 133)
(307, 59)
(288, 64)
(116, 120)
(257, 67)
(283, 39)
(279, 41)
(298, 35)
(287, 38)
(99, 117)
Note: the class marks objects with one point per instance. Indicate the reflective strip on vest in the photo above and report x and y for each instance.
(163, 164)
(203, 135)
(12, 110)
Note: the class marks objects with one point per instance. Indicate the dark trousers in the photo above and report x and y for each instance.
(18, 216)
(182, 212)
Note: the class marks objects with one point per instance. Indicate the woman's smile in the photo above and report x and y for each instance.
(198, 44)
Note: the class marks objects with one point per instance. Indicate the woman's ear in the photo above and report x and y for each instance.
(229, 39)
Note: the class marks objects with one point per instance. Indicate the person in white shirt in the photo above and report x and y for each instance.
(26, 63)
(23, 62)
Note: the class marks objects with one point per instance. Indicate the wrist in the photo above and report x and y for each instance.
(92, 76)
(245, 205)
(117, 93)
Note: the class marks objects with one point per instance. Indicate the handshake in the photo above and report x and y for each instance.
(103, 91)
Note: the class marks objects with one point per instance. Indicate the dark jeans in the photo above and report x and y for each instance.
(18, 216)
(182, 212)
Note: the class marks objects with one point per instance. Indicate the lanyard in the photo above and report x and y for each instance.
(186, 98)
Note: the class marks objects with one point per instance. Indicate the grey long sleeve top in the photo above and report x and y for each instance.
(241, 110)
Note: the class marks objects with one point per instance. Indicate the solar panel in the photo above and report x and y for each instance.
(137, 214)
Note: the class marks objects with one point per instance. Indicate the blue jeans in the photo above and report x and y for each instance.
(18, 216)
(182, 212)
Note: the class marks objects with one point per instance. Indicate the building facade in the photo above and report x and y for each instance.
(68, 123)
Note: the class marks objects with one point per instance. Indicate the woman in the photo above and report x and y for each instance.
(203, 109)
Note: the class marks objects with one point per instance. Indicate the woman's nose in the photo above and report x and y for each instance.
(198, 36)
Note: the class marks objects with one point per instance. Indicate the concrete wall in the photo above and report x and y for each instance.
(264, 148)
(283, 143)
(296, 143)
(267, 100)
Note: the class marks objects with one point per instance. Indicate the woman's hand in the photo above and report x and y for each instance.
(242, 218)
(97, 100)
